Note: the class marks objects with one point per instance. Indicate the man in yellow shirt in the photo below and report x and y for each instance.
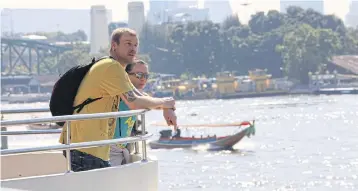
(108, 80)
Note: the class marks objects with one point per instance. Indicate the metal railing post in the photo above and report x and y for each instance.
(68, 141)
(144, 144)
(136, 145)
(4, 141)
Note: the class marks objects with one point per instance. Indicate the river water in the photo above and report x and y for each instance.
(301, 143)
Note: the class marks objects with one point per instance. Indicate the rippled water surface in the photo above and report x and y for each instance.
(301, 143)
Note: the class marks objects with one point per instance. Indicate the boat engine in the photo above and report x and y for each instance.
(165, 133)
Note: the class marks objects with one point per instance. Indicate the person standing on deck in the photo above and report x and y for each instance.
(119, 154)
(138, 74)
(107, 79)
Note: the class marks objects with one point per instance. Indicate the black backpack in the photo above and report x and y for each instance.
(65, 91)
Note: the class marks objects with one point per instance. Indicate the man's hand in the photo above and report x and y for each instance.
(169, 103)
(170, 117)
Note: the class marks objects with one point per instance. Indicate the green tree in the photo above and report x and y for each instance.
(306, 48)
(231, 21)
(72, 58)
(291, 44)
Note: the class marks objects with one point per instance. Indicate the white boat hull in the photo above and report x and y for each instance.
(134, 176)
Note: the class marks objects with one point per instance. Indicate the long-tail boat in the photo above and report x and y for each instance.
(167, 141)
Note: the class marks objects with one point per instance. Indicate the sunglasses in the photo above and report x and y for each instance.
(140, 75)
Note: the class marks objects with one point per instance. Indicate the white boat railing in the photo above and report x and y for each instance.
(68, 118)
(4, 141)
(29, 110)
(31, 132)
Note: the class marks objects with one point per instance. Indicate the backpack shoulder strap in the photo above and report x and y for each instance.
(83, 104)
(78, 108)
(94, 60)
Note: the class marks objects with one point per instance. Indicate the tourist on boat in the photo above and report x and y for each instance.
(108, 81)
(138, 74)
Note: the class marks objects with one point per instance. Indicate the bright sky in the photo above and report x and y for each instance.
(119, 7)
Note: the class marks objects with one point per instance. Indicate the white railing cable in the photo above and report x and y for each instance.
(28, 110)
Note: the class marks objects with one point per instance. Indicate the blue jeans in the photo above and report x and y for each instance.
(81, 161)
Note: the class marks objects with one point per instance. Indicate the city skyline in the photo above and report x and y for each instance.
(120, 12)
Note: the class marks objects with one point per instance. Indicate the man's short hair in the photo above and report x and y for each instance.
(130, 66)
(117, 34)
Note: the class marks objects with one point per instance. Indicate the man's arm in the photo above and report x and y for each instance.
(135, 101)
(142, 93)
(116, 82)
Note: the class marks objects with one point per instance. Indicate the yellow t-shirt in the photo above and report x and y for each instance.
(106, 79)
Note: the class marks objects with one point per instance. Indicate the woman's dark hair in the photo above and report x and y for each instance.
(130, 66)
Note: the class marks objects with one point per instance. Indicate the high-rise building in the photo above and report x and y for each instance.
(157, 6)
(188, 14)
(114, 25)
(160, 10)
(136, 18)
(352, 16)
(186, 3)
(317, 5)
(219, 10)
(99, 28)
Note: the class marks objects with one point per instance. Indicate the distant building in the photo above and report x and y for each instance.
(219, 10)
(184, 4)
(99, 28)
(352, 16)
(114, 25)
(136, 18)
(188, 14)
(317, 5)
(34, 37)
(28, 84)
(160, 11)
